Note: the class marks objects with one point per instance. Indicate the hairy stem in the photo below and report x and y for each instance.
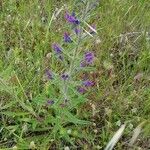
(75, 55)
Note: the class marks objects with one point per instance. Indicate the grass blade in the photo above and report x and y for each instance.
(115, 138)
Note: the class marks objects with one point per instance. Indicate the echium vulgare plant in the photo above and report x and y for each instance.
(67, 89)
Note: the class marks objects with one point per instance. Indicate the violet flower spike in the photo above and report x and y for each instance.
(89, 57)
(57, 48)
(67, 38)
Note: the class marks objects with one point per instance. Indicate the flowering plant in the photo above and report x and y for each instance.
(66, 90)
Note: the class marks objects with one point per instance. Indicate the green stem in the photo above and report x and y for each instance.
(72, 66)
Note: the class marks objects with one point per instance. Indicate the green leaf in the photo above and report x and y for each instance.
(13, 114)
(73, 119)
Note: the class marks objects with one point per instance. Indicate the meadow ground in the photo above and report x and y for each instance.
(121, 94)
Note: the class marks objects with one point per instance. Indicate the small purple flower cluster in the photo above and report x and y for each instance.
(58, 51)
(85, 85)
(57, 48)
(72, 18)
(67, 38)
(81, 90)
(88, 59)
(88, 83)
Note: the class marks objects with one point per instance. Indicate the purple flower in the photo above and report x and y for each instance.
(77, 31)
(89, 57)
(71, 18)
(50, 102)
(49, 74)
(64, 76)
(57, 48)
(67, 37)
(81, 90)
(88, 83)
